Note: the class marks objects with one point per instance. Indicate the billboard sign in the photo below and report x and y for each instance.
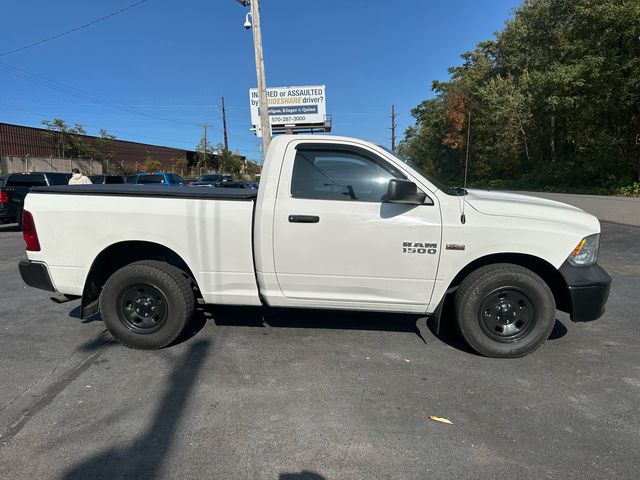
(291, 106)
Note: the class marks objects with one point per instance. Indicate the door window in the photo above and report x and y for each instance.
(151, 179)
(334, 174)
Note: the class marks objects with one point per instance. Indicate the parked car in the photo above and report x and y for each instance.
(3, 178)
(106, 179)
(155, 178)
(251, 185)
(339, 223)
(212, 180)
(17, 185)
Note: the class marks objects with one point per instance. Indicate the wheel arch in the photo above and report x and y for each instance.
(539, 266)
(116, 256)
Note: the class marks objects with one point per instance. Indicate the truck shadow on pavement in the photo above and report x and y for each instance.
(143, 457)
(304, 475)
(314, 318)
(197, 323)
(420, 325)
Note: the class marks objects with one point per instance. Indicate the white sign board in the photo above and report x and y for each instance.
(291, 106)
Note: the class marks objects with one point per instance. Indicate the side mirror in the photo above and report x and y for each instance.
(404, 191)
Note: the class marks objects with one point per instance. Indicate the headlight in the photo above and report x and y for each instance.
(586, 252)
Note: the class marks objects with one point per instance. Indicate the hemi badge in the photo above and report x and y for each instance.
(455, 246)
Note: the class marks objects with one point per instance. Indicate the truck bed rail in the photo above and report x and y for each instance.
(124, 190)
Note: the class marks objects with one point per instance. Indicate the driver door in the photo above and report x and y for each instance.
(336, 242)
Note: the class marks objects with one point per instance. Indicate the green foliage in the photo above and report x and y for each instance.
(632, 190)
(72, 142)
(205, 158)
(180, 165)
(151, 164)
(230, 162)
(553, 98)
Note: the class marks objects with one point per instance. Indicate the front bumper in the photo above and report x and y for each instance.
(36, 275)
(588, 290)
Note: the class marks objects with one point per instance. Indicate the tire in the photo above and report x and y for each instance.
(504, 310)
(147, 304)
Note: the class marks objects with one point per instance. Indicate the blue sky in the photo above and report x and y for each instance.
(173, 60)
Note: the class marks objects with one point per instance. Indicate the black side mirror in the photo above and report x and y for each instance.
(404, 191)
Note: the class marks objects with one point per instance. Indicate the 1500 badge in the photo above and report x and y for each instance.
(418, 247)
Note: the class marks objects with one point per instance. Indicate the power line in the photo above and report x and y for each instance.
(53, 37)
(72, 91)
(97, 99)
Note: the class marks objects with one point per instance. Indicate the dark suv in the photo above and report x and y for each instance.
(17, 186)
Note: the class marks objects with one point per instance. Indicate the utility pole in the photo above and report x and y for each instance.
(393, 127)
(265, 126)
(224, 126)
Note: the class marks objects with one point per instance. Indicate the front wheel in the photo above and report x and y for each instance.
(504, 310)
(147, 304)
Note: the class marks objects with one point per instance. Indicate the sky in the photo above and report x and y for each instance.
(156, 72)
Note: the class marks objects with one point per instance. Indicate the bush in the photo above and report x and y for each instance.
(631, 190)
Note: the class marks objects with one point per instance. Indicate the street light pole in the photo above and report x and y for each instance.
(265, 126)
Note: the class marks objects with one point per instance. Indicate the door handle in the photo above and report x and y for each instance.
(303, 219)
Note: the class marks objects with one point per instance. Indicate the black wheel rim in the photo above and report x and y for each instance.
(143, 308)
(507, 315)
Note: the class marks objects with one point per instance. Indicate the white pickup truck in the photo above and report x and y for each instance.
(338, 223)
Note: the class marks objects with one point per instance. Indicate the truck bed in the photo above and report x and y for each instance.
(210, 229)
(131, 190)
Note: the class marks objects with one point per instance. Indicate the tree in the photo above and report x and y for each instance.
(554, 100)
(108, 157)
(73, 142)
(180, 164)
(151, 165)
(205, 157)
(232, 163)
(68, 140)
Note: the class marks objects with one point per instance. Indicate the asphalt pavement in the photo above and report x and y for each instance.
(295, 395)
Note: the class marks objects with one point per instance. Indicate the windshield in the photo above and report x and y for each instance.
(439, 185)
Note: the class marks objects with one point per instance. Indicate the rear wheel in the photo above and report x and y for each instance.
(504, 310)
(147, 304)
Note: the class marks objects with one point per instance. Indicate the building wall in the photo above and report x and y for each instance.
(23, 141)
(17, 164)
